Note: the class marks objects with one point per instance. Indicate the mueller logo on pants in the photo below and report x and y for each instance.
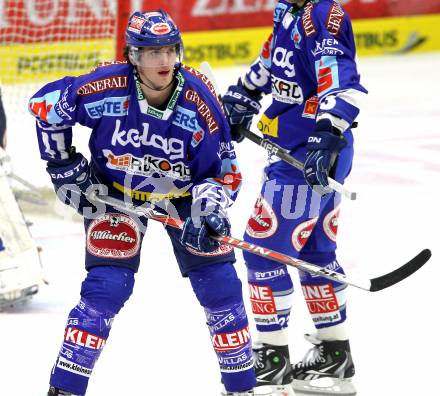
(225, 342)
(263, 222)
(330, 224)
(113, 235)
(302, 232)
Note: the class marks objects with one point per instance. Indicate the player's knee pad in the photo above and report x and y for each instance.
(326, 299)
(107, 288)
(219, 291)
(216, 285)
(270, 289)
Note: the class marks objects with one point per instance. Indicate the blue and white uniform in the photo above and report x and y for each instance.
(308, 66)
(174, 157)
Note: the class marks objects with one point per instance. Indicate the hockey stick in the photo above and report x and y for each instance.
(271, 147)
(372, 285)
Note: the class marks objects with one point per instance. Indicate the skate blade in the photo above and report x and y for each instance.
(325, 386)
(274, 390)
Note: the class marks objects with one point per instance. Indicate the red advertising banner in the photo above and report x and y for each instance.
(24, 21)
(362, 9)
(199, 15)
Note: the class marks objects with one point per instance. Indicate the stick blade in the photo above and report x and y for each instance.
(406, 270)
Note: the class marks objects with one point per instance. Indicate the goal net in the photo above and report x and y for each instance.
(42, 40)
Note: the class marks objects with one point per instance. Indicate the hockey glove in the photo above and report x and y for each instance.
(71, 180)
(197, 231)
(324, 146)
(240, 105)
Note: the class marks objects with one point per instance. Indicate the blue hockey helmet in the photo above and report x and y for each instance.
(152, 29)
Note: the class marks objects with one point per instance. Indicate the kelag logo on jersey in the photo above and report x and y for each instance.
(112, 106)
(147, 166)
(173, 147)
(283, 59)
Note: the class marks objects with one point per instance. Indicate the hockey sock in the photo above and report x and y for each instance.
(270, 290)
(277, 337)
(333, 333)
(218, 290)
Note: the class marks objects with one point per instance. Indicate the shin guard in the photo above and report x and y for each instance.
(218, 290)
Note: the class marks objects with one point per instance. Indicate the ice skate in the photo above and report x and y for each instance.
(58, 392)
(326, 369)
(246, 393)
(273, 370)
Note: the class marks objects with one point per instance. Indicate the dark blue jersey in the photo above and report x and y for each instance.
(151, 153)
(308, 65)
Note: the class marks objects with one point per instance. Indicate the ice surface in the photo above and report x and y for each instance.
(160, 344)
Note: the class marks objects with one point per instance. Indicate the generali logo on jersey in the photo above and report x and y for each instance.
(320, 298)
(113, 235)
(83, 338)
(104, 84)
(203, 109)
(335, 19)
(225, 342)
(262, 300)
(307, 21)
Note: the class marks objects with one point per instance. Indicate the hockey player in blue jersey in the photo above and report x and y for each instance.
(308, 65)
(158, 135)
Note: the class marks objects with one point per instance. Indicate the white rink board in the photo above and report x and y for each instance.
(159, 343)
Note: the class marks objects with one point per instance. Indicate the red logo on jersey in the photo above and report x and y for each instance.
(113, 235)
(225, 342)
(302, 233)
(320, 298)
(311, 107)
(330, 224)
(83, 338)
(265, 52)
(263, 222)
(325, 78)
(113, 82)
(231, 180)
(307, 21)
(41, 109)
(262, 300)
(203, 109)
(335, 19)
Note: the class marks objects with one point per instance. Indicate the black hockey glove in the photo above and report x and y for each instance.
(197, 231)
(71, 180)
(240, 105)
(324, 146)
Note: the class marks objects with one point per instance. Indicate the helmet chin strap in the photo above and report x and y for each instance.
(138, 75)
